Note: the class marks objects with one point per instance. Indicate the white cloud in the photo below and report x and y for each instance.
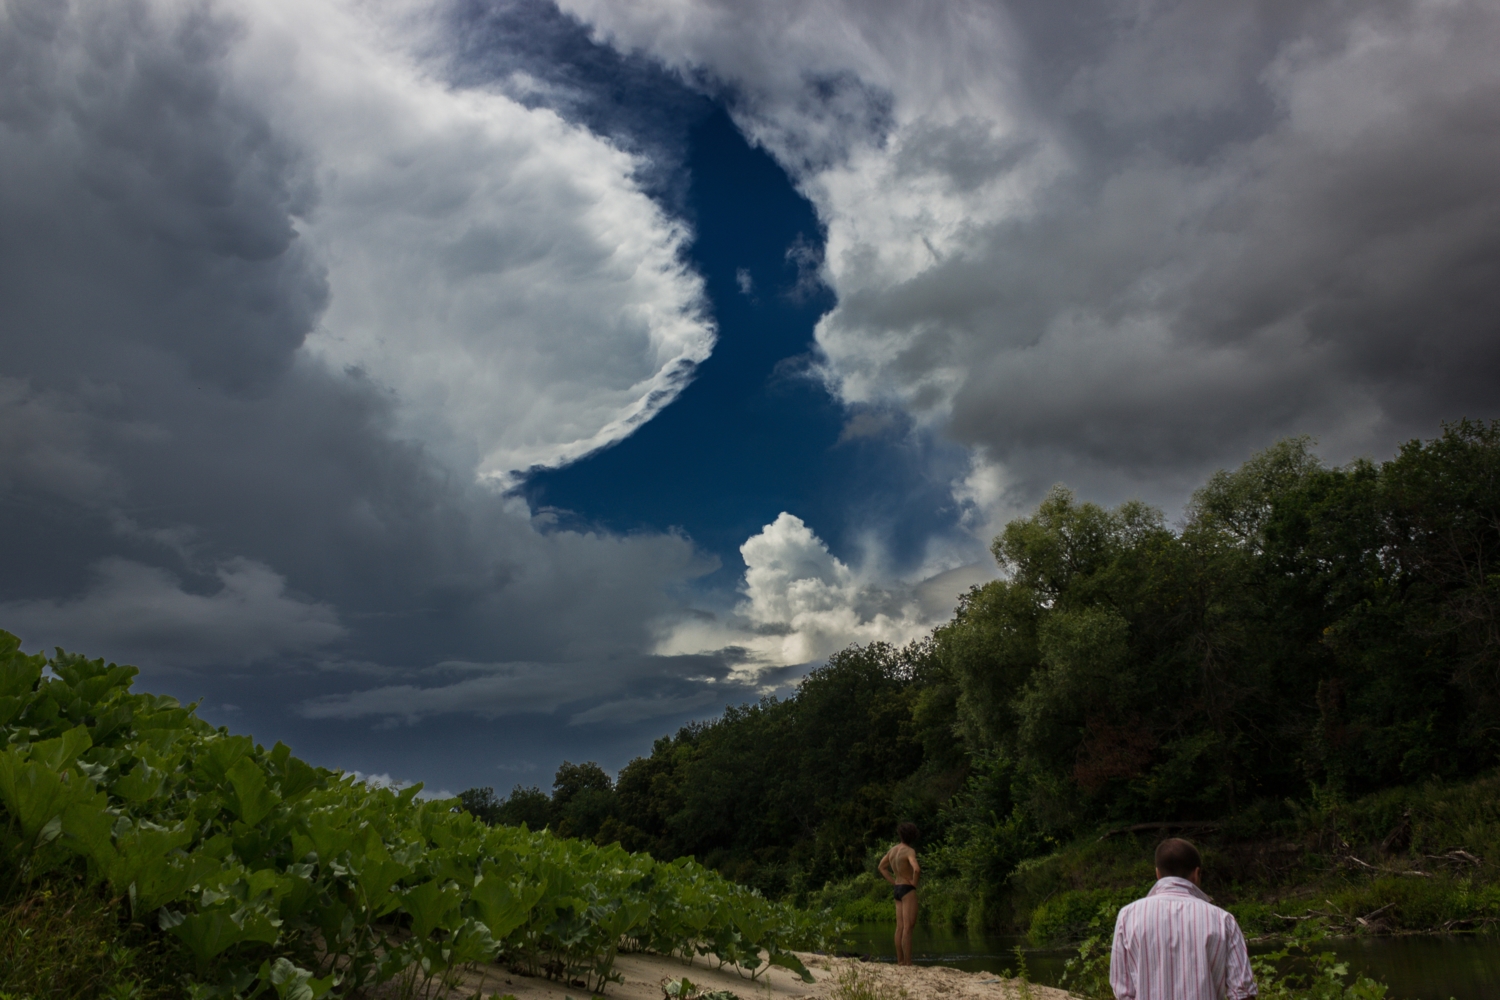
(384, 780)
(495, 266)
(802, 603)
(142, 614)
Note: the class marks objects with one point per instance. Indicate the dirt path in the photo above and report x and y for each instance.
(644, 974)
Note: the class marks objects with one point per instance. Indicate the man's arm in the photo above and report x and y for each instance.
(916, 869)
(885, 868)
(1239, 980)
(1121, 963)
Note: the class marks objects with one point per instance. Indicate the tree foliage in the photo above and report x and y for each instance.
(1304, 632)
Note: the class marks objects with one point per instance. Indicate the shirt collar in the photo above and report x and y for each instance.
(1171, 884)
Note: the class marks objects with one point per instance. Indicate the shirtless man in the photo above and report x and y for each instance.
(899, 867)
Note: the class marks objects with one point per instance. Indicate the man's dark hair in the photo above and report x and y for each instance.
(1175, 856)
(909, 834)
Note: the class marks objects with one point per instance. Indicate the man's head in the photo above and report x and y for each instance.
(1175, 856)
(908, 834)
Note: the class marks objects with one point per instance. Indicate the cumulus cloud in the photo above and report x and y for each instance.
(1123, 244)
(139, 612)
(802, 603)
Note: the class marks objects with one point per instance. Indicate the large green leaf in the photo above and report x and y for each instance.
(63, 751)
(150, 867)
(430, 905)
(19, 673)
(292, 983)
(295, 777)
(503, 904)
(330, 835)
(377, 880)
(89, 825)
(210, 933)
(253, 798)
(161, 880)
(223, 752)
(142, 783)
(11, 705)
(35, 795)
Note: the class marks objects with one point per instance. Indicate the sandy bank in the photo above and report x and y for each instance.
(644, 974)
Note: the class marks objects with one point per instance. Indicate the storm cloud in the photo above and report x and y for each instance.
(1121, 245)
(292, 294)
(277, 306)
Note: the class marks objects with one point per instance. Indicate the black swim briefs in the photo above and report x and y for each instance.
(901, 889)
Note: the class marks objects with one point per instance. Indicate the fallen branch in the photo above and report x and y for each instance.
(1311, 915)
(1467, 923)
(1368, 920)
(1458, 856)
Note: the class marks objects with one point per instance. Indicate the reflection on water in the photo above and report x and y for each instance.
(1416, 968)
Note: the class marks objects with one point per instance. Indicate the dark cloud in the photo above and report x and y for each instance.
(1329, 267)
(187, 485)
(1121, 244)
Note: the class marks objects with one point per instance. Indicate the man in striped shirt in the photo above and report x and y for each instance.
(1176, 944)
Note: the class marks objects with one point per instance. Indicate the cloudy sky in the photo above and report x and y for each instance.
(449, 387)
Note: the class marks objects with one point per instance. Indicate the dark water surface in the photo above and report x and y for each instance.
(1464, 967)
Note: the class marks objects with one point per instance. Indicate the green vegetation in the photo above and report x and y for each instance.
(145, 853)
(1304, 675)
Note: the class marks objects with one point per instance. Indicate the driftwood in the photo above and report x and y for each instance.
(1457, 856)
(1368, 920)
(1143, 827)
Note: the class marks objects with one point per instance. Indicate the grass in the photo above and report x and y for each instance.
(859, 981)
(62, 940)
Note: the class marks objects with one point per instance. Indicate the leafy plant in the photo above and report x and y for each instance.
(270, 877)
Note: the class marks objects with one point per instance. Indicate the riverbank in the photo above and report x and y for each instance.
(1418, 859)
(643, 976)
(1414, 967)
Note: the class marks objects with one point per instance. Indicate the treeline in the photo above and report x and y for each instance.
(1306, 633)
(782, 795)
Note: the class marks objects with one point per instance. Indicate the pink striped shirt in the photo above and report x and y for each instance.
(1177, 945)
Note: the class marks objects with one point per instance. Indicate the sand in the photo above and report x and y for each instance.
(643, 975)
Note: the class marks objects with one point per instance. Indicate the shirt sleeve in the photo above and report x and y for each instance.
(1239, 980)
(1121, 962)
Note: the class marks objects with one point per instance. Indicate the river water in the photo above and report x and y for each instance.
(1463, 967)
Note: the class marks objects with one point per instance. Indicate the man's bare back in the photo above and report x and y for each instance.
(901, 862)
